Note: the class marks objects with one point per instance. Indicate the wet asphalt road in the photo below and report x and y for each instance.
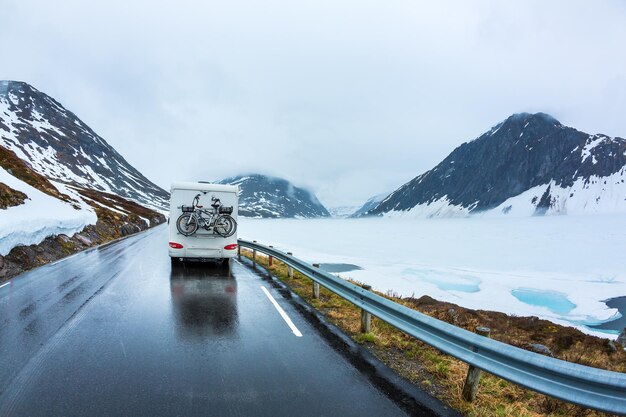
(116, 331)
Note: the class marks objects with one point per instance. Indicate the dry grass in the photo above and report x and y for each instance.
(10, 197)
(443, 376)
(134, 210)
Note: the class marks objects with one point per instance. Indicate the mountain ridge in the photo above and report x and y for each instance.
(58, 145)
(525, 152)
(264, 196)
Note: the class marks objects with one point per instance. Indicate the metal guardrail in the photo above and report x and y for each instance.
(589, 387)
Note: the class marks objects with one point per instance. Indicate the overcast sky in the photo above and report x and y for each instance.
(347, 98)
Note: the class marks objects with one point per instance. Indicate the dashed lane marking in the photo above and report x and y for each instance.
(282, 313)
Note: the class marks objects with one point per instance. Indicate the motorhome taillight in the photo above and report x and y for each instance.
(231, 247)
(175, 245)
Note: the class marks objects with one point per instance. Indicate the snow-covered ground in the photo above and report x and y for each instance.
(559, 268)
(40, 216)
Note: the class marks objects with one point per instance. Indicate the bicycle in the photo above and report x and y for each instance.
(219, 218)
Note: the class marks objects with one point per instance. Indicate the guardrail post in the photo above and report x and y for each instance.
(366, 318)
(254, 255)
(316, 286)
(270, 260)
(289, 268)
(473, 374)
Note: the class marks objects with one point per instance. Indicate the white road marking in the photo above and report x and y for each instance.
(282, 313)
(5, 284)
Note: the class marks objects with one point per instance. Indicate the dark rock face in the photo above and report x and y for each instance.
(611, 346)
(58, 145)
(269, 197)
(522, 152)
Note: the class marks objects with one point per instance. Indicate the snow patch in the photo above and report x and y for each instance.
(40, 217)
(476, 262)
(586, 196)
(592, 142)
(438, 208)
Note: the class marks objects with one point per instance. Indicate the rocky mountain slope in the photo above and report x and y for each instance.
(57, 144)
(62, 187)
(529, 164)
(42, 220)
(269, 197)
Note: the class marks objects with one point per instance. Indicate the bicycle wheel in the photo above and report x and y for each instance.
(225, 225)
(187, 224)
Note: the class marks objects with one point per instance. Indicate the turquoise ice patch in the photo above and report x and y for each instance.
(552, 300)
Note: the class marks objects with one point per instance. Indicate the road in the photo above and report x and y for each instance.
(116, 331)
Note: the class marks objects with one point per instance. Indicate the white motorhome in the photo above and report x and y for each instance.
(203, 240)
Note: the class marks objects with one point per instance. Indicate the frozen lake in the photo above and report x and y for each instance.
(560, 268)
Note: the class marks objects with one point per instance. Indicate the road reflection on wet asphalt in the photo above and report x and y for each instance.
(118, 331)
(204, 301)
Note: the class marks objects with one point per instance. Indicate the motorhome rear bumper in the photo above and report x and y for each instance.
(188, 254)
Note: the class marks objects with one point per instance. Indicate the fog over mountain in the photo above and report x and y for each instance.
(349, 99)
(263, 196)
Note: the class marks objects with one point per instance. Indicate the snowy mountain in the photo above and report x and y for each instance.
(529, 164)
(58, 145)
(270, 197)
(369, 205)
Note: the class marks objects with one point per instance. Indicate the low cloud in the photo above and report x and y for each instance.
(348, 99)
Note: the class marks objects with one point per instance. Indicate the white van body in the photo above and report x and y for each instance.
(202, 245)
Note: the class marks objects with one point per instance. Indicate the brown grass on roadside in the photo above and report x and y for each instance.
(10, 197)
(442, 375)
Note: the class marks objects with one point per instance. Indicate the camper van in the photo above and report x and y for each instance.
(203, 221)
